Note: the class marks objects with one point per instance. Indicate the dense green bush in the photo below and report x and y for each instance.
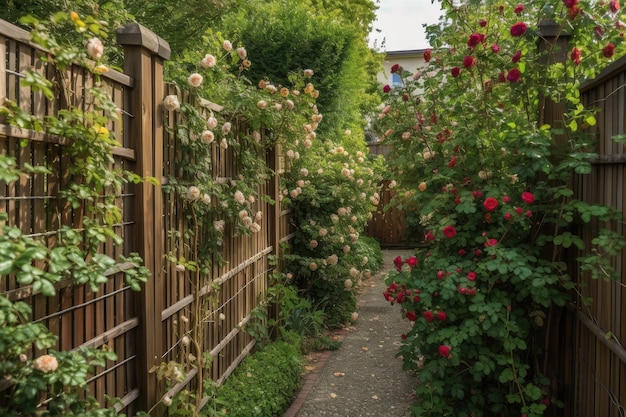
(265, 383)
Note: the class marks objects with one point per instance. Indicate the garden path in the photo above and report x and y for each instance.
(363, 378)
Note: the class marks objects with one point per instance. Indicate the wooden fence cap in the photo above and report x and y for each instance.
(135, 34)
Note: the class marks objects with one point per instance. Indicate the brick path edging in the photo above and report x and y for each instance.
(307, 385)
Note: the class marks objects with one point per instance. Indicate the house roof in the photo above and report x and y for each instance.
(408, 52)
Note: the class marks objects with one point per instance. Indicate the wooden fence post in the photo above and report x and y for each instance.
(144, 55)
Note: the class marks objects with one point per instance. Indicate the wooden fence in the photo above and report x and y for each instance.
(143, 328)
(593, 337)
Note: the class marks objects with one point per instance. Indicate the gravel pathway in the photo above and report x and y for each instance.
(363, 378)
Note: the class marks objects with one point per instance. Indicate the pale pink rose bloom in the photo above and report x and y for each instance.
(195, 80)
(300, 183)
(224, 144)
(313, 244)
(247, 221)
(180, 268)
(193, 193)
(211, 122)
(308, 72)
(290, 105)
(261, 104)
(227, 46)
(354, 316)
(219, 225)
(207, 137)
(258, 216)
(278, 106)
(346, 249)
(208, 61)
(308, 143)
(226, 127)
(46, 363)
(95, 48)
(239, 197)
(243, 214)
(251, 199)
(241, 51)
(304, 172)
(171, 103)
(255, 227)
(271, 88)
(313, 266)
(347, 284)
(323, 232)
(294, 193)
(354, 273)
(206, 199)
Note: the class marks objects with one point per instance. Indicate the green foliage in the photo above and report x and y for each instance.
(489, 184)
(61, 378)
(264, 384)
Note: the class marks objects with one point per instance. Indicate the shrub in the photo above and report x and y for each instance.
(265, 383)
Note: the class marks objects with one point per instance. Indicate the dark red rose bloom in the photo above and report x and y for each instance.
(427, 55)
(396, 68)
(490, 204)
(570, 3)
(514, 75)
(440, 274)
(518, 29)
(462, 252)
(444, 351)
(575, 56)
(491, 242)
(429, 316)
(599, 31)
(403, 336)
(609, 50)
(411, 316)
(449, 231)
(614, 6)
(519, 9)
(469, 61)
(517, 56)
(429, 236)
(471, 276)
(412, 261)
(456, 71)
(441, 316)
(528, 197)
(495, 48)
(386, 89)
(475, 39)
(502, 77)
(452, 162)
(405, 97)
(482, 23)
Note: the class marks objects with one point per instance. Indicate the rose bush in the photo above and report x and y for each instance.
(489, 181)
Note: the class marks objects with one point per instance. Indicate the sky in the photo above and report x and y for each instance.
(401, 23)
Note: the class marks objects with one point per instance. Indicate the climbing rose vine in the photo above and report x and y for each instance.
(488, 183)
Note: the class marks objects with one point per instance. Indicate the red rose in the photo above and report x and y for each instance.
(452, 162)
(495, 48)
(609, 50)
(405, 97)
(570, 3)
(469, 61)
(403, 336)
(518, 29)
(599, 32)
(482, 23)
(396, 68)
(490, 204)
(475, 39)
(519, 9)
(440, 274)
(614, 6)
(428, 315)
(491, 242)
(506, 199)
(502, 77)
(412, 261)
(427, 55)
(441, 316)
(429, 236)
(455, 71)
(471, 276)
(575, 55)
(514, 75)
(386, 89)
(449, 231)
(444, 351)
(462, 252)
(411, 316)
(528, 197)
(517, 56)
(398, 260)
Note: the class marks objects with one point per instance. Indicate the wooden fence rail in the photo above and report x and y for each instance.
(143, 328)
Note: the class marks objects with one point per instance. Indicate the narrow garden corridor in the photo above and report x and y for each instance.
(362, 378)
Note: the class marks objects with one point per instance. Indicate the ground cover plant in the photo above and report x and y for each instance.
(489, 181)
